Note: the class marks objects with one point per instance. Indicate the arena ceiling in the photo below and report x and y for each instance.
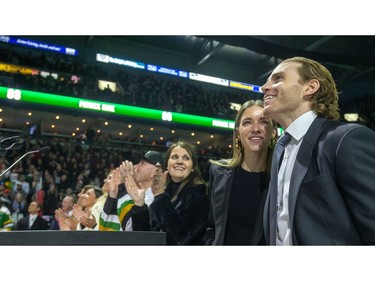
(350, 58)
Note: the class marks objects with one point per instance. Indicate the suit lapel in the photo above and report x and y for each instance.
(302, 163)
(223, 198)
(226, 185)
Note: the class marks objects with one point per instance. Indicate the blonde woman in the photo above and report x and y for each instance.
(238, 186)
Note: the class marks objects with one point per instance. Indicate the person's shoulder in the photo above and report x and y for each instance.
(221, 162)
(100, 201)
(220, 170)
(337, 135)
(198, 190)
(3, 214)
(330, 124)
(6, 210)
(97, 207)
(220, 165)
(335, 128)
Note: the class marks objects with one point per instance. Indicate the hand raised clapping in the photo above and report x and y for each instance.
(113, 183)
(88, 220)
(135, 190)
(127, 169)
(159, 182)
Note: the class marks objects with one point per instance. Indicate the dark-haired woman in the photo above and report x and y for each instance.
(180, 207)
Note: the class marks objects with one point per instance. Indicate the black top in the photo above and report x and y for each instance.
(184, 220)
(172, 188)
(243, 208)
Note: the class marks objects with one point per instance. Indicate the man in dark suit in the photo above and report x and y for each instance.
(324, 190)
(33, 221)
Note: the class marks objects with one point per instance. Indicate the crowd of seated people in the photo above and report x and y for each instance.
(64, 170)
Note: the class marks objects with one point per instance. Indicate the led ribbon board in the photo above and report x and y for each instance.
(18, 95)
(179, 73)
(39, 45)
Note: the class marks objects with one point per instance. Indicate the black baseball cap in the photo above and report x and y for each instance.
(152, 156)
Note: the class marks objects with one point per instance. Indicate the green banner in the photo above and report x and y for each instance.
(18, 95)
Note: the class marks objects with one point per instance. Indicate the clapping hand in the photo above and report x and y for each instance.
(62, 218)
(127, 169)
(60, 215)
(78, 212)
(136, 191)
(88, 220)
(159, 182)
(113, 183)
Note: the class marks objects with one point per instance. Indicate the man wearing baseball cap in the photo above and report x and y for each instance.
(152, 156)
(119, 201)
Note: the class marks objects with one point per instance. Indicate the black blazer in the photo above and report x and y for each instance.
(39, 224)
(220, 187)
(332, 189)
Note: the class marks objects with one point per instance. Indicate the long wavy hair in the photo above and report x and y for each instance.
(237, 147)
(195, 177)
(325, 101)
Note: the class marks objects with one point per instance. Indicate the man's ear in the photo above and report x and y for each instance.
(311, 87)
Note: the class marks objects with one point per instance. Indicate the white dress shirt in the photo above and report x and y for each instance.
(32, 218)
(297, 130)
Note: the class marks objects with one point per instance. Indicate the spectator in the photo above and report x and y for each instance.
(119, 203)
(19, 207)
(239, 185)
(87, 216)
(64, 214)
(324, 192)
(180, 207)
(32, 221)
(6, 222)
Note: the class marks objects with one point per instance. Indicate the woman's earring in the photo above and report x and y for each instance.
(238, 143)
